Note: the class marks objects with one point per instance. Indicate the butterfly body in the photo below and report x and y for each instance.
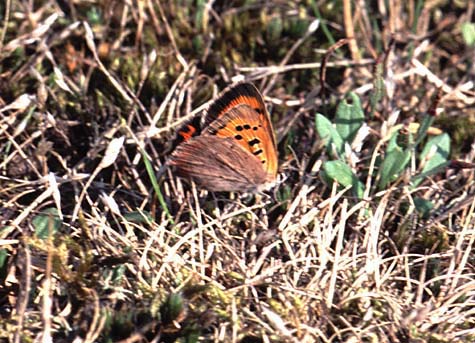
(234, 149)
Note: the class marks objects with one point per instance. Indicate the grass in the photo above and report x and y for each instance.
(367, 238)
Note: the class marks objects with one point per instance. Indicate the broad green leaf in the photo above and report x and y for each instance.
(3, 263)
(329, 135)
(422, 132)
(139, 217)
(392, 143)
(284, 193)
(349, 117)
(393, 165)
(172, 308)
(442, 144)
(343, 175)
(416, 180)
(3, 257)
(423, 206)
(45, 221)
(468, 33)
(436, 150)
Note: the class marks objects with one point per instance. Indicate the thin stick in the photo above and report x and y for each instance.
(5, 23)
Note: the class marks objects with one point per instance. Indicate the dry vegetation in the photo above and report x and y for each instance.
(360, 242)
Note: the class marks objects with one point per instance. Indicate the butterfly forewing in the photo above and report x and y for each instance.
(250, 130)
(239, 94)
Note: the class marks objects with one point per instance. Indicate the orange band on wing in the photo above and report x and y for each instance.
(253, 102)
(239, 94)
(186, 135)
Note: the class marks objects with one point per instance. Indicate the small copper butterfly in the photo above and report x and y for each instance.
(233, 148)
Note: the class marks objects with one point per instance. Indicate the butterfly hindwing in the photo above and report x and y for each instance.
(224, 167)
(188, 130)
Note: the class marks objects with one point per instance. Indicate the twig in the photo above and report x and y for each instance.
(350, 29)
(5, 22)
(24, 294)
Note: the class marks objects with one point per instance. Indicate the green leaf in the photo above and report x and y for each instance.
(199, 15)
(139, 217)
(94, 16)
(378, 88)
(343, 175)
(392, 142)
(442, 145)
(422, 131)
(329, 135)
(434, 156)
(393, 165)
(349, 117)
(45, 221)
(3, 263)
(3, 257)
(423, 206)
(274, 29)
(172, 308)
(156, 187)
(118, 273)
(284, 194)
(192, 336)
(468, 33)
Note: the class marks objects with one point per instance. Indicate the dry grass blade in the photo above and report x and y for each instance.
(110, 155)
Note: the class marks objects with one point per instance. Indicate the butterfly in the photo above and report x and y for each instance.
(233, 148)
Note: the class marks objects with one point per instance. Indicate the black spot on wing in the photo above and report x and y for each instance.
(254, 142)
